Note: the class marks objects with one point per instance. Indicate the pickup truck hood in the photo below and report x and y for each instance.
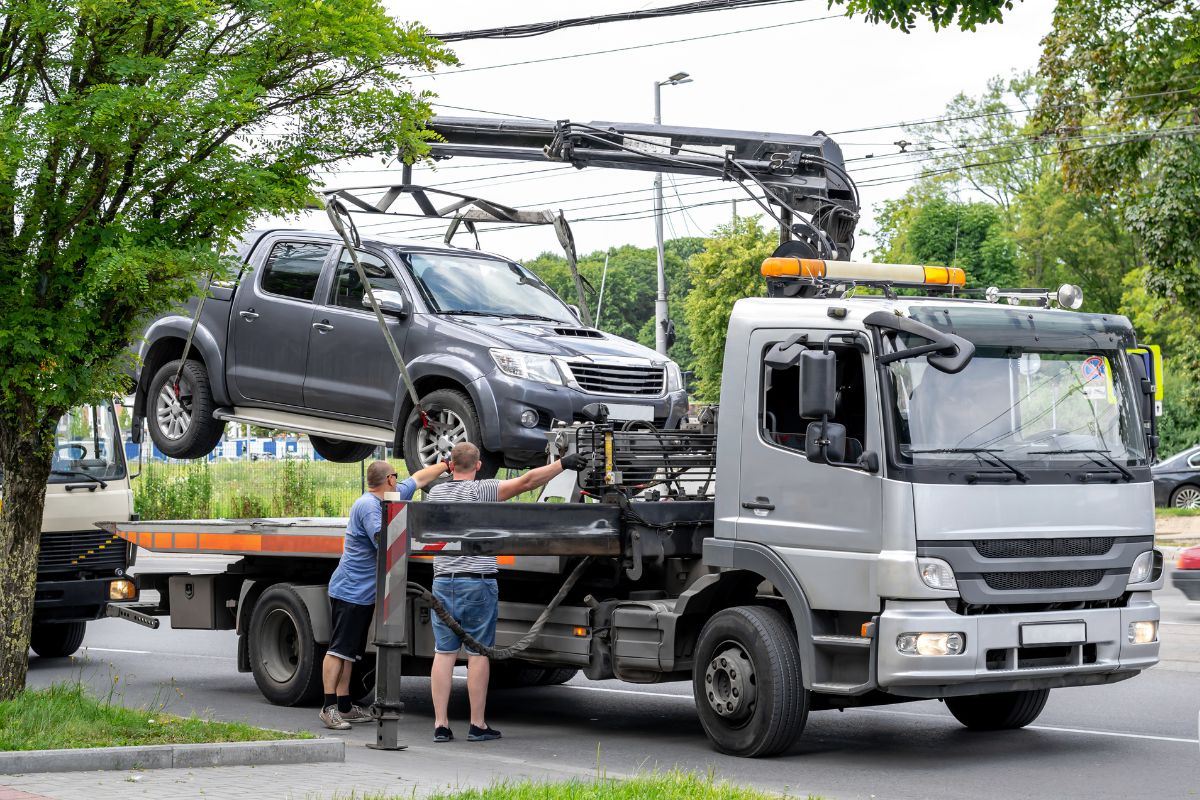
(562, 340)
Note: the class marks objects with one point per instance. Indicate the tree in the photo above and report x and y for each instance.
(135, 138)
(903, 14)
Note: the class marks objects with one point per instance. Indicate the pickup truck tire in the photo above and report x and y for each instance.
(183, 426)
(455, 410)
(998, 712)
(746, 681)
(57, 639)
(340, 451)
(284, 656)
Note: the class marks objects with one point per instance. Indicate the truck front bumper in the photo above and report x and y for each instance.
(994, 658)
(71, 600)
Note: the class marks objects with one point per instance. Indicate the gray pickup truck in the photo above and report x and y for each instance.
(288, 343)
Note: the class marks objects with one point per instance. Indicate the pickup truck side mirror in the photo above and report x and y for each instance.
(390, 302)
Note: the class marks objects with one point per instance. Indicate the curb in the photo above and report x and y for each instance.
(166, 756)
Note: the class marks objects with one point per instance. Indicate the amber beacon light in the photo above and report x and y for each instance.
(815, 268)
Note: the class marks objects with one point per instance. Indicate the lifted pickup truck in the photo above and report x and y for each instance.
(291, 343)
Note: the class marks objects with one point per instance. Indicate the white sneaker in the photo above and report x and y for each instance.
(356, 714)
(332, 719)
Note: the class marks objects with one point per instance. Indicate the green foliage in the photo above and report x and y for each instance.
(188, 494)
(673, 785)
(727, 270)
(903, 14)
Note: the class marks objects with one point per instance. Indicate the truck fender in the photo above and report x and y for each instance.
(316, 600)
(448, 368)
(177, 327)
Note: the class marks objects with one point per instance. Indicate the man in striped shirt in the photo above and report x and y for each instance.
(466, 586)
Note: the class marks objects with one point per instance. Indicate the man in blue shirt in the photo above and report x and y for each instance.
(352, 589)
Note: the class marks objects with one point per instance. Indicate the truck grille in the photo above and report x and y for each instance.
(1044, 548)
(1051, 579)
(90, 550)
(619, 379)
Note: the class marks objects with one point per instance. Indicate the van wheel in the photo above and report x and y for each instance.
(341, 451)
(181, 423)
(747, 684)
(56, 639)
(998, 712)
(285, 659)
(454, 413)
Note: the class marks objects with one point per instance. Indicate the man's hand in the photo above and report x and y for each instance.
(574, 462)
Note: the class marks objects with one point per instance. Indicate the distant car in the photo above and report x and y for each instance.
(1186, 577)
(1177, 480)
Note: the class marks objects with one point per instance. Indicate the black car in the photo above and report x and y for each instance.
(1177, 480)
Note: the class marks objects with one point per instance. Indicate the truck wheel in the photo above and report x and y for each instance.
(998, 712)
(182, 425)
(57, 639)
(340, 451)
(362, 680)
(453, 410)
(558, 676)
(747, 684)
(515, 675)
(285, 659)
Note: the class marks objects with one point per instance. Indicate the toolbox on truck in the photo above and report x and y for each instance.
(204, 602)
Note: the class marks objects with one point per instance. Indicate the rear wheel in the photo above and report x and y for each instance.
(998, 712)
(558, 676)
(340, 451)
(454, 420)
(1186, 496)
(56, 639)
(284, 656)
(516, 675)
(180, 417)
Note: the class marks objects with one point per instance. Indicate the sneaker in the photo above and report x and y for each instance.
(356, 714)
(482, 734)
(443, 734)
(332, 719)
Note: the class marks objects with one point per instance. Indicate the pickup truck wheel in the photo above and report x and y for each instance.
(284, 657)
(181, 423)
(339, 451)
(56, 639)
(454, 413)
(998, 712)
(747, 684)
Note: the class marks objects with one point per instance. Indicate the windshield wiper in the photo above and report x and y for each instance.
(466, 312)
(1126, 475)
(537, 317)
(983, 454)
(68, 473)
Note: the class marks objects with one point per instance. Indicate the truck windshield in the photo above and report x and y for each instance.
(456, 284)
(86, 446)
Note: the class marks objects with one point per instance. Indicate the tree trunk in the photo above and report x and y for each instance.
(26, 449)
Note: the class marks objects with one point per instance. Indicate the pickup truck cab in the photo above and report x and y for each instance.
(289, 343)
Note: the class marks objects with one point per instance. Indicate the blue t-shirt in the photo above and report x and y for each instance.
(354, 579)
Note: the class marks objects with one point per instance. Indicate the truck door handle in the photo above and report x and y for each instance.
(249, 316)
(759, 504)
(323, 326)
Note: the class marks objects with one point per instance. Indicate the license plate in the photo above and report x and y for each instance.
(1053, 633)
(625, 411)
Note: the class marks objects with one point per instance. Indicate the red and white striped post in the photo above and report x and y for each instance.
(391, 621)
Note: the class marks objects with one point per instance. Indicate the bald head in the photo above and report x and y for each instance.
(464, 458)
(378, 473)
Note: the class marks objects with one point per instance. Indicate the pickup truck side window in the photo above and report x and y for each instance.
(780, 419)
(293, 269)
(347, 290)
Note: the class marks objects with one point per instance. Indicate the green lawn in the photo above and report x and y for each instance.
(673, 785)
(66, 716)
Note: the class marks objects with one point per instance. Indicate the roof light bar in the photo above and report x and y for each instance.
(814, 268)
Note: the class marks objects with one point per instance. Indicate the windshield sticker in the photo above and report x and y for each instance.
(1096, 379)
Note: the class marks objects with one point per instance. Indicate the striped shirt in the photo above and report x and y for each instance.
(464, 492)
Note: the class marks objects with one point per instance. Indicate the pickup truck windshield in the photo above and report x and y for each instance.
(487, 286)
(86, 446)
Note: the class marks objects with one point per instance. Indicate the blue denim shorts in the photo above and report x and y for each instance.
(474, 602)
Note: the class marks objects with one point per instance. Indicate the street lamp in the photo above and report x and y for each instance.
(660, 301)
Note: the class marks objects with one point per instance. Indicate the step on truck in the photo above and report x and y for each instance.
(900, 497)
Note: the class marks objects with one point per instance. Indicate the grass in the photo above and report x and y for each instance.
(66, 716)
(1177, 512)
(674, 785)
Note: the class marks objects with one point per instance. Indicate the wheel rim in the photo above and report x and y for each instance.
(1187, 497)
(435, 442)
(729, 683)
(280, 645)
(174, 414)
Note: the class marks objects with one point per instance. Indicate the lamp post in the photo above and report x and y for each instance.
(660, 301)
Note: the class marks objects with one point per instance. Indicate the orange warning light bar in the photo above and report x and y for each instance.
(814, 268)
(793, 268)
(945, 276)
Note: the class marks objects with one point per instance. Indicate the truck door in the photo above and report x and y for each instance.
(350, 368)
(270, 323)
(823, 521)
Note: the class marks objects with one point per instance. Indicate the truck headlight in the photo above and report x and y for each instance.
(674, 377)
(931, 644)
(1143, 632)
(936, 574)
(1143, 568)
(122, 590)
(529, 366)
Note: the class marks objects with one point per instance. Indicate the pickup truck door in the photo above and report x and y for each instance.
(270, 323)
(823, 521)
(350, 368)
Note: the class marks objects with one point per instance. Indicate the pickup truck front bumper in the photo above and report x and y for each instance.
(994, 658)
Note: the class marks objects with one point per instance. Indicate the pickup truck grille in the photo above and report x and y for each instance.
(619, 379)
(1044, 548)
(1051, 579)
(89, 550)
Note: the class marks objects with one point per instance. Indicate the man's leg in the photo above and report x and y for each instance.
(478, 671)
(440, 678)
(332, 679)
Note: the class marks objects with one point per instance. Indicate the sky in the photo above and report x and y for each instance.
(801, 71)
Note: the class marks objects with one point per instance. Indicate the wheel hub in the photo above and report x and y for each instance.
(729, 683)
(1187, 497)
(435, 442)
(173, 409)
(280, 645)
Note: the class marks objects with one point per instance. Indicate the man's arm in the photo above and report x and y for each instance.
(427, 475)
(540, 476)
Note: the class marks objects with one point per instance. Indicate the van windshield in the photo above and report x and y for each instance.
(457, 284)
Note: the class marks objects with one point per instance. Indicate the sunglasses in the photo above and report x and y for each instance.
(394, 475)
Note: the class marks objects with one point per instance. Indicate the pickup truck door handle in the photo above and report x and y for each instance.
(249, 316)
(759, 504)
(323, 326)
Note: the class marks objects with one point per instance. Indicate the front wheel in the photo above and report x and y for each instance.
(56, 639)
(181, 418)
(340, 451)
(454, 420)
(747, 684)
(284, 655)
(998, 712)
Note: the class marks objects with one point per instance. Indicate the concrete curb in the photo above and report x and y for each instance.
(165, 756)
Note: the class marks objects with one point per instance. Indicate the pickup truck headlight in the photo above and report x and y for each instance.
(529, 366)
(674, 377)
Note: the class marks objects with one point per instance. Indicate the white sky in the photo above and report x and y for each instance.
(830, 75)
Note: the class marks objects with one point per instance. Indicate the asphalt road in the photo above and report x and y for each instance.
(1135, 739)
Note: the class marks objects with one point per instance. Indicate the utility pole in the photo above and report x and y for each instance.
(660, 300)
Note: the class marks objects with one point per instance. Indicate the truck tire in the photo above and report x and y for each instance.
(746, 681)
(56, 639)
(558, 676)
(362, 680)
(998, 712)
(515, 675)
(284, 656)
(455, 410)
(341, 451)
(183, 426)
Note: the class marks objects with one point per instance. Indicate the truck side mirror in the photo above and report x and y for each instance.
(575, 310)
(390, 302)
(818, 384)
(669, 328)
(825, 442)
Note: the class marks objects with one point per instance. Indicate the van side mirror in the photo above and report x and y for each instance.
(390, 302)
(818, 384)
(825, 442)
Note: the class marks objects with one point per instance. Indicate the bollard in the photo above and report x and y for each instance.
(391, 628)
